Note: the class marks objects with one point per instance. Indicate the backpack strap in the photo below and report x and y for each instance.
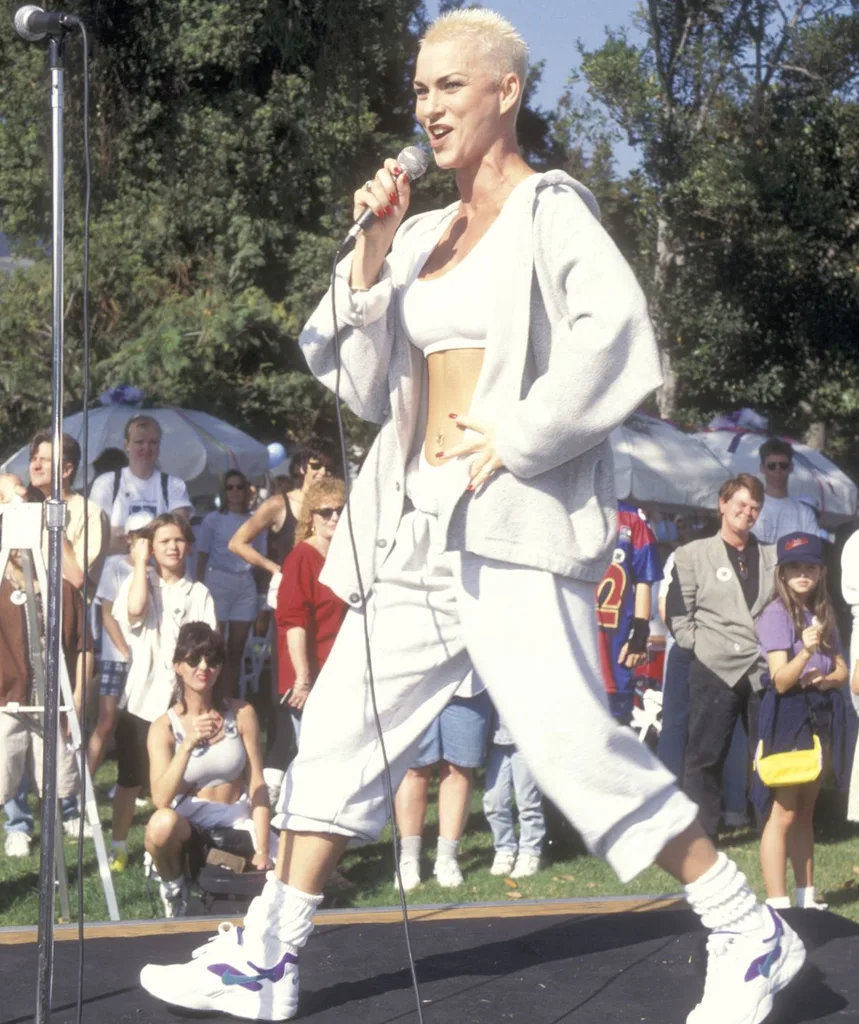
(117, 476)
(164, 479)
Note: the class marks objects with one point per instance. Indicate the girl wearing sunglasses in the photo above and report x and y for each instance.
(206, 768)
(229, 577)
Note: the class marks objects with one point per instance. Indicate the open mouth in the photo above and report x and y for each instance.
(438, 132)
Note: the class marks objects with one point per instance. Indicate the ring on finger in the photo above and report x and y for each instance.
(368, 184)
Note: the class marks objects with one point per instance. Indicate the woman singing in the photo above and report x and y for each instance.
(497, 342)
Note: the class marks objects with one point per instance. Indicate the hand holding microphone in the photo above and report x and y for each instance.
(380, 204)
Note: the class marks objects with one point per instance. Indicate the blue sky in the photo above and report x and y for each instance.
(552, 27)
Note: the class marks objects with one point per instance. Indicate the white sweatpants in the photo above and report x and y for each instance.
(531, 636)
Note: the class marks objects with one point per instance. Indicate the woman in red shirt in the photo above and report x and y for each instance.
(308, 614)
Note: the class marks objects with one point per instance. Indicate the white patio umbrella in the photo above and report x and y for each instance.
(656, 463)
(815, 478)
(195, 446)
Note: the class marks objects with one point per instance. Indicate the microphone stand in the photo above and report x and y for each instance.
(55, 512)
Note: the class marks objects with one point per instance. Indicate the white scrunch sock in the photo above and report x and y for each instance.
(721, 897)
(448, 849)
(410, 847)
(280, 919)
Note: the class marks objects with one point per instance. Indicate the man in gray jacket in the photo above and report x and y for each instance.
(720, 586)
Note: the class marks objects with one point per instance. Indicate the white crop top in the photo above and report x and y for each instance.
(454, 310)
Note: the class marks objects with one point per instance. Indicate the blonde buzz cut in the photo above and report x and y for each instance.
(503, 47)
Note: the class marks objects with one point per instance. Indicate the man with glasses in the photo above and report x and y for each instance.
(719, 587)
(780, 514)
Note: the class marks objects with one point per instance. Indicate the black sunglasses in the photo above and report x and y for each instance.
(213, 659)
(234, 487)
(327, 513)
(316, 464)
(778, 465)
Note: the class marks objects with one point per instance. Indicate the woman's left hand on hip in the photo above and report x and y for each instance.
(487, 460)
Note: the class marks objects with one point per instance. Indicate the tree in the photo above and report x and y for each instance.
(224, 136)
(744, 113)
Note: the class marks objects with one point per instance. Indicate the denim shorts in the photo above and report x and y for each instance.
(459, 734)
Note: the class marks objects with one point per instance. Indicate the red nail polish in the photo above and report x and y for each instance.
(470, 487)
(439, 455)
(405, 176)
(398, 170)
(389, 209)
(453, 416)
(393, 197)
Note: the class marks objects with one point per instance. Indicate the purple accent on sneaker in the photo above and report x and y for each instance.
(233, 976)
(762, 965)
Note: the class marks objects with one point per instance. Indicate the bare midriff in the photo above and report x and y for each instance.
(452, 379)
(222, 793)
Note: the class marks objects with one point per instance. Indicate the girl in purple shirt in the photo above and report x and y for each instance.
(798, 635)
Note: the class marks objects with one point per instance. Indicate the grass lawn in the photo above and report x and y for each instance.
(569, 873)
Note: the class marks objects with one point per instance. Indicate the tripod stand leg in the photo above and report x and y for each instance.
(60, 868)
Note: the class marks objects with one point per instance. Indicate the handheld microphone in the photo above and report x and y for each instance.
(33, 24)
(414, 161)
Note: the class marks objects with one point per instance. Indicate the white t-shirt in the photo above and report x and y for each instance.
(152, 642)
(667, 573)
(137, 495)
(850, 593)
(215, 533)
(780, 516)
(117, 569)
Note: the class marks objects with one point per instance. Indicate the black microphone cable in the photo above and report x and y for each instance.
(85, 460)
(389, 787)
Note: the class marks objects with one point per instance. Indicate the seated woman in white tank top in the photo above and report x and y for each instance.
(205, 763)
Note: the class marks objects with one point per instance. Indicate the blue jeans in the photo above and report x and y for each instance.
(19, 817)
(507, 775)
(671, 748)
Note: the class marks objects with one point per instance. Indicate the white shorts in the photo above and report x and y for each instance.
(234, 594)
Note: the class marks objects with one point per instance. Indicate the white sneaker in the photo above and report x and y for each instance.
(72, 827)
(527, 864)
(220, 977)
(17, 844)
(503, 862)
(744, 972)
(175, 898)
(447, 873)
(410, 872)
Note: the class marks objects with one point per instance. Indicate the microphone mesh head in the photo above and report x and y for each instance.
(414, 161)
(22, 17)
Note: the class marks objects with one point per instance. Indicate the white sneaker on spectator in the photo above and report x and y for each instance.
(744, 972)
(174, 896)
(503, 862)
(221, 976)
(17, 844)
(410, 872)
(447, 873)
(72, 827)
(527, 864)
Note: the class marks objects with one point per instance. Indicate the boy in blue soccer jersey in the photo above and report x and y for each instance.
(623, 608)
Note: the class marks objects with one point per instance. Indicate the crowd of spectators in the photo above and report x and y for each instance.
(174, 606)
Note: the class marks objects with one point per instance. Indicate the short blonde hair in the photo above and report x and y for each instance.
(501, 44)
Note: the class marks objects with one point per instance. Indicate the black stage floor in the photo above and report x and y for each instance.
(578, 967)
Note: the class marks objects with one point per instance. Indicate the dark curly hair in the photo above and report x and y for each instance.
(198, 640)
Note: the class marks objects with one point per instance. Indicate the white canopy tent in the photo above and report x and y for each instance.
(195, 446)
(815, 478)
(655, 463)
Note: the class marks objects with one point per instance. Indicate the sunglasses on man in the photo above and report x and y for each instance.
(784, 466)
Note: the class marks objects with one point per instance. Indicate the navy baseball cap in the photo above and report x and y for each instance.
(800, 547)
